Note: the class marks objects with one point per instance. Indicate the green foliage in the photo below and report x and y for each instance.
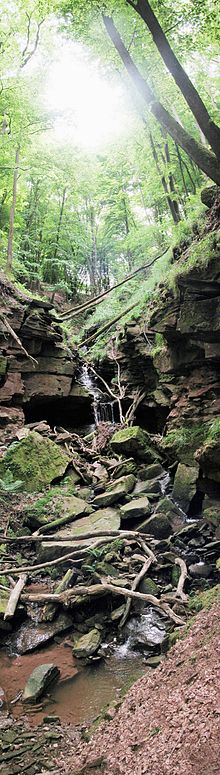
(205, 599)
(9, 484)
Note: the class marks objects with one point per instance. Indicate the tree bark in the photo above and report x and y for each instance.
(194, 101)
(205, 159)
(12, 212)
(60, 221)
(163, 180)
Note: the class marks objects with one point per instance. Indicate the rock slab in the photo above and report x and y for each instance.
(39, 682)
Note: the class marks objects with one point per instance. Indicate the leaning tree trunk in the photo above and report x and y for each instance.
(12, 212)
(194, 101)
(60, 222)
(205, 159)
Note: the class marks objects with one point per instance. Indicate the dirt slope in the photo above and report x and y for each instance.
(169, 722)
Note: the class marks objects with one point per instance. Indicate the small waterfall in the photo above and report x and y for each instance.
(103, 409)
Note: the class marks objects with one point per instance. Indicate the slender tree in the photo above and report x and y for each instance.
(190, 93)
(205, 159)
(12, 212)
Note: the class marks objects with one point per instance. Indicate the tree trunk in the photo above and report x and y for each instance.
(12, 212)
(204, 158)
(163, 180)
(60, 221)
(194, 101)
(172, 184)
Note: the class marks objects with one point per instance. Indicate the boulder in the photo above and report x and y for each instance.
(158, 525)
(115, 491)
(87, 644)
(208, 457)
(146, 631)
(36, 461)
(61, 506)
(103, 519)
(40, 681)
(184, 487)
(137, 508)
(211, 511)
(171, 510)
(151, 472)
(32, 635)
(136, 442)
(209, 195)
(200, 570)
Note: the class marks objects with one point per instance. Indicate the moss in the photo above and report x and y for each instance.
(183, 442)
(205, 599)
(3, 365)
(35, 460)
(198, 256)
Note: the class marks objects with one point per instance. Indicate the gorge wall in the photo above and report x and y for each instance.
(33, 388)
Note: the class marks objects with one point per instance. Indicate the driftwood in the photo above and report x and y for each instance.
(15, 596)
(179, 590)
(69, 597)
(78, 554)
(135, 584)
(133, 534)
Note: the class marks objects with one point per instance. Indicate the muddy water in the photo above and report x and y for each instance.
(82, 691)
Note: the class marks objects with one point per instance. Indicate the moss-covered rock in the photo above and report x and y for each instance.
(115, 491)
(184, 487)
(87, 644)
(137, 508)
(36, 461)
(148, 587)
(208, 457)
(136, 442)
(158, 525)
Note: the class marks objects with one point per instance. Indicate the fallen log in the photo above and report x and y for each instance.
(15, 596)
(69, 597)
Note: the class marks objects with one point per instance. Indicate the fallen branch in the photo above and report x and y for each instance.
(67, 597)
(14, 336)
(14, 597)
(72, 539)
(135, 584)
(107, 326)
(180, 586)
(101, 296)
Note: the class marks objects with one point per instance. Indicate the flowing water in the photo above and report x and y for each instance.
(104, 410)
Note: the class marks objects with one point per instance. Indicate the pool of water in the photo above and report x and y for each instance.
(83, 690)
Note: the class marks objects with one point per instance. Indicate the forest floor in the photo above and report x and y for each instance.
(169, 721)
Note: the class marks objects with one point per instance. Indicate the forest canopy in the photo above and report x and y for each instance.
(109, 128)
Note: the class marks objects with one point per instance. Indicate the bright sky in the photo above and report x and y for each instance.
(89, 109)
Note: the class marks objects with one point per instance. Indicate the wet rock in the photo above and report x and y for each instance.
(136, 442)
(36, 461)
(115, 491)
(184, 487)
(145, 631)
(158, 525)
(40, 681)
(200, 570)
(154, 661)
(32, 635)
(87, 644)
(139, 507)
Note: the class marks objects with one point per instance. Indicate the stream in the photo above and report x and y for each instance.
(86, 688)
